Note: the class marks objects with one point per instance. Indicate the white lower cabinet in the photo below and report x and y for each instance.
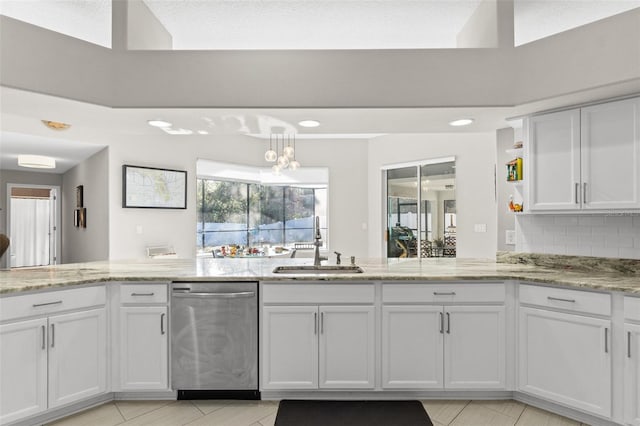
(77, 356)
(451, 347)
(566, 358)
(23, 369)
(311, 347)
(347, 336)
(143, 348)
(412, 347)
(632, 374)
(50, 362)
(474, 349)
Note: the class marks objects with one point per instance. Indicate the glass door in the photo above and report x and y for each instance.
(421, 209)
(402, 212)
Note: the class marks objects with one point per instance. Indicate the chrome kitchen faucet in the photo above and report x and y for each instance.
(318, 242)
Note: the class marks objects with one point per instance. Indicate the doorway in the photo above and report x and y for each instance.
(421, 209)
(33, 223)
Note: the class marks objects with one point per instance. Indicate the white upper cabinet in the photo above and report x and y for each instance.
(585, 159)
(553, 169)
(610, 143)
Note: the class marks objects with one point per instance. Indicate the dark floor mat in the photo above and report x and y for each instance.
(351, 413)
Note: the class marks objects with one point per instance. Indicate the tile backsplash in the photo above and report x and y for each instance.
(616, 235)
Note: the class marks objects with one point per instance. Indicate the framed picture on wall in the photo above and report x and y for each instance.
(153, 188)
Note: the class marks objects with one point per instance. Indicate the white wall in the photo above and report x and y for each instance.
(347, 189)
(554, 66)
(491, 25)
(92, 242)
(144, 30)
(475, 194)
(616, 236)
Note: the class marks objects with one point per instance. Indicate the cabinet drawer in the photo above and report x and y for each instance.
(572, 300)
(632, 308)
(13, 307)
(481, 292)
(318, 293)
(143, 293)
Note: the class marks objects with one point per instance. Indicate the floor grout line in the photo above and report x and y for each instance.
(520, 416)
(460, 412)
(120, 412)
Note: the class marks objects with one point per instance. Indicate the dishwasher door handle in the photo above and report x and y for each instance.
(217, 295)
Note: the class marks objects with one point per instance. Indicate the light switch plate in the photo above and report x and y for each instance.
(510, 237)
(480, 227)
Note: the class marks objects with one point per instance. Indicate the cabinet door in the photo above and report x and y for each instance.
(632, 374)
(610, 145)
(553, 172)
(347, 341)
(565, 358)
(290, 347)
(412, 339)
(474, 348)
(77, 356)
(23, 369)
(143, 347)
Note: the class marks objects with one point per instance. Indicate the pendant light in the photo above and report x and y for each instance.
(271, 155)
(288, 150)
(283, 160)
(294, 164)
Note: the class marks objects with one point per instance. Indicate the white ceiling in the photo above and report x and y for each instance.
(312, 24)
(66, 153)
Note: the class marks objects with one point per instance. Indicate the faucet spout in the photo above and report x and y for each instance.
(318, 243)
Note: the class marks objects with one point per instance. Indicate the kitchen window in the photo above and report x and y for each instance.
(255, 214)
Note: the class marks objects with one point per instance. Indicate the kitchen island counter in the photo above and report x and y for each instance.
(562, 273)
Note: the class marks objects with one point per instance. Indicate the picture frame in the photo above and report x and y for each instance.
(153, 188)
(80, 217)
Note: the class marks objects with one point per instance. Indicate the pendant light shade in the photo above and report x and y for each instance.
(283, 156)
(270, 155)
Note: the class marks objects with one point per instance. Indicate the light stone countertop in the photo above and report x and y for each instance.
(563, 272)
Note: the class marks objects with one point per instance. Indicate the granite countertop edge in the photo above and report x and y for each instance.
(57, 277)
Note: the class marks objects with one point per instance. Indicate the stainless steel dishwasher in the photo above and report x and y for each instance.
(214, 340)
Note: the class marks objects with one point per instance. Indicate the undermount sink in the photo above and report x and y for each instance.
(323, 269)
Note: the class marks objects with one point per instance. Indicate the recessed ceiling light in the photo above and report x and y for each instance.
(36, 162)
(461, 122)
(159, 123)
(309, 123)
(203, 132)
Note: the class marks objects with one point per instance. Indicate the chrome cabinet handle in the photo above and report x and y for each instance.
(321, 322)
(57, 302)
(559, 299)
(217, 295)
(606, 340)
(162, 323)
(315, 323)
(441, 323)
(577, 193)
(584, 193)
(444, 293)
(53, 335)
(628, 344)
(448, 323)
(44, 338)
(142, 294)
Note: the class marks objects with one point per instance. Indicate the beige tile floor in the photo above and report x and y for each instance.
(263, 413)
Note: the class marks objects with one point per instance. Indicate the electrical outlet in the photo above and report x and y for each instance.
(480, 227)
(139, 229)
(510, 237)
